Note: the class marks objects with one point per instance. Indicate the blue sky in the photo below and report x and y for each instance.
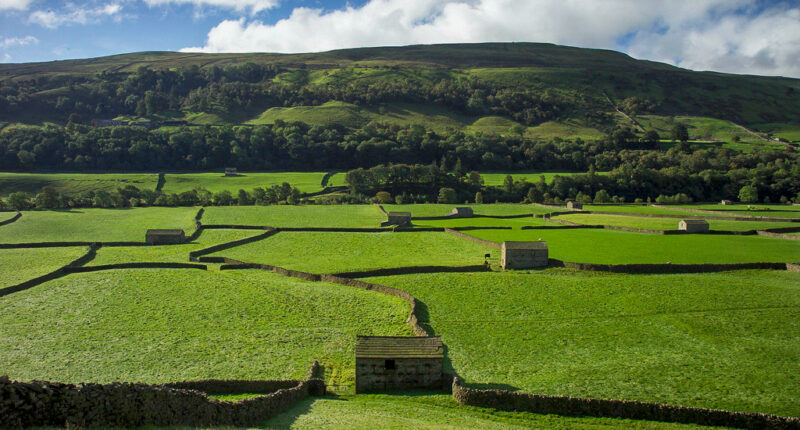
(737, 36)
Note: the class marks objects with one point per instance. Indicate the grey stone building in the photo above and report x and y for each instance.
(397, 218)
(693, 225)
(385, 363)
(574, 205)
(462, 212)
(726, 202)
(523, 255)
(164, 237)
(231, 171)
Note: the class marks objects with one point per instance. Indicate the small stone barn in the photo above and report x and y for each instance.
(523, 255)
(164, 237)
(231, 171)
(726, 202)
(574, 205)
(385, 363)
(461, 212)
(397, 218)
(693, 225)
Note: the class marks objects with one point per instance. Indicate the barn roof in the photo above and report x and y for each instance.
(524, 245)
(165, 232)
(695, 221)
(399, 347)
(399, 213)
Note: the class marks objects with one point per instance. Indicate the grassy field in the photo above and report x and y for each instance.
(788, 131)
(725, 340)
(173, 325)
(98, 225)
(297, 216)
(756, 210)
(421, 410)
(497, 178)
(73, 183)
(305, 181)
(500, 209)
(709, 129)
(7, 215)
(19, 265)
(341, 252)
(633, 208)
(617, 247)
(669, 223)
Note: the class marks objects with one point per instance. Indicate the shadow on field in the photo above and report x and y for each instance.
(491, 386)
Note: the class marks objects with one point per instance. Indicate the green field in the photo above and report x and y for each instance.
(497, 178)
(173, 325)
(367, 216)
(709, 129)
(499, 209)
(305, 181)
(423, 410)
(73, 183)
(669, 223)
(95, 225)
(342, 252)
(755, 210)
(19, 265)
(618, 247)
(788, 131)
(7, 215)
(725, 340)
(633, 208)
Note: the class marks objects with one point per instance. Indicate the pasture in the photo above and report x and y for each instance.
(306, 182)
(668, 223)
(720, 340)
(73, 183)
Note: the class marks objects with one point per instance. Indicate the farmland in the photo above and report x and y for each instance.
(214, 182)
(73, 183)
(723, 340)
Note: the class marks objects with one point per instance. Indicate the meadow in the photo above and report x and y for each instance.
(367, 216)
(73, 183)
(95, 225)
(669, 223)
(498, 209)
(306, 182)
(618, 247)
(171, 325)
(20, 265)
(724, 340)
(342, 252)
(755, 210)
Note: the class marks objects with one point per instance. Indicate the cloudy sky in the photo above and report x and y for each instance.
(737, 36)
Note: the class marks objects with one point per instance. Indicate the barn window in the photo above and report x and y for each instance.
(389, 365)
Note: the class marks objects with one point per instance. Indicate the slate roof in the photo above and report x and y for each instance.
(524, 245)
(399, 347)
(695, 221)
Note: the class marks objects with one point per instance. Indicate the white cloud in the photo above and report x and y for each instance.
(18, 41)
(73, 14)
(687, 32)
(254, 6)
(14, 4)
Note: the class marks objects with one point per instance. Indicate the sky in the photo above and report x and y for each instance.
(735, 36)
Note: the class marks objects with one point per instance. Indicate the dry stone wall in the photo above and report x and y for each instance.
(572, 406)
(91, 253)
(12, 219)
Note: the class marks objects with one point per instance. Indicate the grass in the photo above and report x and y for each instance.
(724, 340)
(7, 215)
(498, 209)
(95, 225)
(709, 129)
(634, 208)
(214, 182)
(73, 183)
(297, 216)
(497, 178)
(669, 223)
(19, 265)
(172, 325)
(789, 131)
(756, 210)
(617, 247)
(424, 410)
(167, 253)
(341, 252)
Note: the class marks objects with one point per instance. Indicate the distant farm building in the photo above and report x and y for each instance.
(462, 212)
(385, 363)
(231, 171)
(693, 225)
(523, 255)
(726, 202)
(574, 205)
(397, 218)
(108, 123)
(164, 237)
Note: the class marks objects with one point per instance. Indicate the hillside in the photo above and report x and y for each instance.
(570, 92)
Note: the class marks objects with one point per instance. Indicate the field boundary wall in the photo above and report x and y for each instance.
(712, 212)
(90, 254)
(122, 405)
(410, 270)
(193, 255)
(666, 268)
(573, 406)
(478, 240)
(139, 265)
(12, 219)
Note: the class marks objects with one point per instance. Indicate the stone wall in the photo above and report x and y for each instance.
(12, 219)
(38, 404)
(483, 242)
(666, 268)
(572, 406)
(410, 270)
(91, 253)
(372, 375)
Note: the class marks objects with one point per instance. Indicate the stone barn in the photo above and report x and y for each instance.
(397, 218)
(385, 363)
(574, 205)
(523, 255)
(462, 212)
(693, 225)
(726, 202)
(231, 171)
(164, 237)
